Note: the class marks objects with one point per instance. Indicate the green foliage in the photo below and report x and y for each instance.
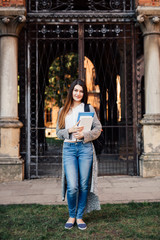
(62, 72)
(114, 221)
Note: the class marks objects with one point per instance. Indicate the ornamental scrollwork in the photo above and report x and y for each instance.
(57, 31)
(102, 30)
(91, 5)
(117, 4)
(45, 4)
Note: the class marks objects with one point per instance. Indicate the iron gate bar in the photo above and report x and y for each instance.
(37, 95)
(114, 30)
(134, 91)
(81, 50)
(28, 157)
(104, 126)
(126, 111)
(95, 38)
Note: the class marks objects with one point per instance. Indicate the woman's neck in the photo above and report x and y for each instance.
(75, 104)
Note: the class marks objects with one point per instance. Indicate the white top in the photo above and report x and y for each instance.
(71, 120)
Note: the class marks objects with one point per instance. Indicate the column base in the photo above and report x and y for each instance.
(149, 165)
(150, 159)
(11, 169)
(11, 164)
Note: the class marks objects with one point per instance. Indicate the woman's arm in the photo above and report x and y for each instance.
(95, 132)
(66, 133)
(62, 133)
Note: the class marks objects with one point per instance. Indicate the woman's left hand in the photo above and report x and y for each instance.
(78, 135)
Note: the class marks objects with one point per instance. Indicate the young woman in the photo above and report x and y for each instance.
(79, 159)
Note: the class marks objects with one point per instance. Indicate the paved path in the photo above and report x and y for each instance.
(112, 189)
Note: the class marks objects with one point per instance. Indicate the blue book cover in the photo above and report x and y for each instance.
(84, 114)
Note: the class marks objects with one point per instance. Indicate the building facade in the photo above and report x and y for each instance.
(112, 45)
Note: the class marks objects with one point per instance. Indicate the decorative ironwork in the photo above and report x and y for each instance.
(44, 4)
(117, 30)
(103, 30)
(104, 5)
(101, 11)
(117, 4)
(56, 5)
(43, 30)
(96, 30)
(75, 5)
(54, 31)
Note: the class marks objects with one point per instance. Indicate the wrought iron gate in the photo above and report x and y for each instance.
(55, 53)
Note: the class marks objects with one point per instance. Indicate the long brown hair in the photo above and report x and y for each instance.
(69, 101)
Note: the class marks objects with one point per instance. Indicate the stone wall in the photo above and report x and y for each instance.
(148, 3)
(12, 3)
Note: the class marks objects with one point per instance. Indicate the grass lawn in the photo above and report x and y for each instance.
(114, 221)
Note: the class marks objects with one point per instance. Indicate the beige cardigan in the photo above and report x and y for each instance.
(92, 200)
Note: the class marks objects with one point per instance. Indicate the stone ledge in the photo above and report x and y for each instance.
(148, 10)
(150, 119)
(12, 11)
(11, 160)
(10, 124)
(150, 157)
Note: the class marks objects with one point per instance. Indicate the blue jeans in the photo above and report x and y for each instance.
(77, 159)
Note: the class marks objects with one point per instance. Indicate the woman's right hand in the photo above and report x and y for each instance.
(75, 128)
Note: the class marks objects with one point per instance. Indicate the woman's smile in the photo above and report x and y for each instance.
(77, 93)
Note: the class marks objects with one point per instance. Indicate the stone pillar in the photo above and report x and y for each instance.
(149, 19)
(11, 164)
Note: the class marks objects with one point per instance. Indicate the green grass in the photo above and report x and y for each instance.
(115, 221)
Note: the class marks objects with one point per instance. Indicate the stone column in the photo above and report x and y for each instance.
(149, 19)
(11, 164)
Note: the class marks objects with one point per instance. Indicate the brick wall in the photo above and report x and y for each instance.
(12, 3)
(149, 2)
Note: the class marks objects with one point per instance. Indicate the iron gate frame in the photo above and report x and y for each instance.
(78, 19)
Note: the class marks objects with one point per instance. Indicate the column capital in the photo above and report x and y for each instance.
(149, 20)
(11, 20)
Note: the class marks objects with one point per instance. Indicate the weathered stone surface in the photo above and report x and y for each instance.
(150, 165)
(9, 142)
(151, 138)
(150, 159)
(11, 169)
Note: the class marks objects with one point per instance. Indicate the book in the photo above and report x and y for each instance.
(86, 119)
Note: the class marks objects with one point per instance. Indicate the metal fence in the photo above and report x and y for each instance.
(105, 56)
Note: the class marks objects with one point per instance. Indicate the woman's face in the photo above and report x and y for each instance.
(77, 93)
